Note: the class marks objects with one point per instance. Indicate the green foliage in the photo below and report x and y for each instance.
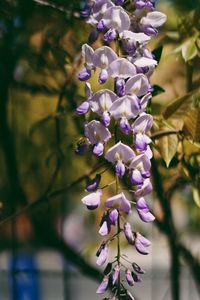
(167, 147)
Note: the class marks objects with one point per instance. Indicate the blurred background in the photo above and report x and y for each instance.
(48, 239)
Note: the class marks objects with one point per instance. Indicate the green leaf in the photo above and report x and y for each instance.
(196, 196)
(189, 49)
(192, 124)
(181, 105)
(157, 90)
(173, 35)
(167, 147)
(157, 52)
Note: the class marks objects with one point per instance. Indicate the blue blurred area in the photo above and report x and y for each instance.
(23, 278)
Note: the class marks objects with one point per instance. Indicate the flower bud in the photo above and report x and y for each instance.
(98, 149)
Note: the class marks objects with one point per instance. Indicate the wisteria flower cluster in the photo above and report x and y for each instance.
(130, 67)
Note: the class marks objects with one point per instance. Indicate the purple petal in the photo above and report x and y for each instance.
(120, 87)
(119, 201)
(119, 151)
(102, 256)
(105, 229)
(110, 35)
(103, 57)
(136, 177)
(103, 286)
(92, 200)
(138, 85)
(98, 149)
(115, 274)
(145, 189)
(120, 168)
(145, 242)
(116, 17)
(125, 126)
(146, 217)
(127, 107)
(102, 101)
(97, 134)
(113, 215)
(83, 108)
(143, 123)
(101, 247)
(101, 26)
(92, 185)
(121, 68)
(154, 19)
(128, 233)
(85, 74)
(129, 277)
(105, 118)
(103, 76)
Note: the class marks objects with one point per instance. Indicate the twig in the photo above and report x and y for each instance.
(160, 134)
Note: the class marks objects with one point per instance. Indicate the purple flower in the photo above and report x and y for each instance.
(141, 244)
(110, 35)
(152, 21)
(108, 219)
(103, 286)
(137, 268)
(92, 185)
(120, 168)
(138, 85)
(141, 141)
(87, 54)
(144, 101)
(92, 201)
(98, 10)
(115, 274)
(129, 277)
(145, 189)
(144, 4)
(102, 255)
(120, 87)
(125, 107)
(120, 154)
(113, 216)
(124, 125)
(128, 233)
(121, 68)
(83, 108)
(97, 134)
(84, 74)
(102, 58)
(100, 248)
(144, 62)
(142, 124)
(120, 201)
(143, 211)
(101, 103)
(105, 227)
(140, 162)
(98, 149)
(136, 177)
(119, 2)
(116, 19)
(132, 40)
